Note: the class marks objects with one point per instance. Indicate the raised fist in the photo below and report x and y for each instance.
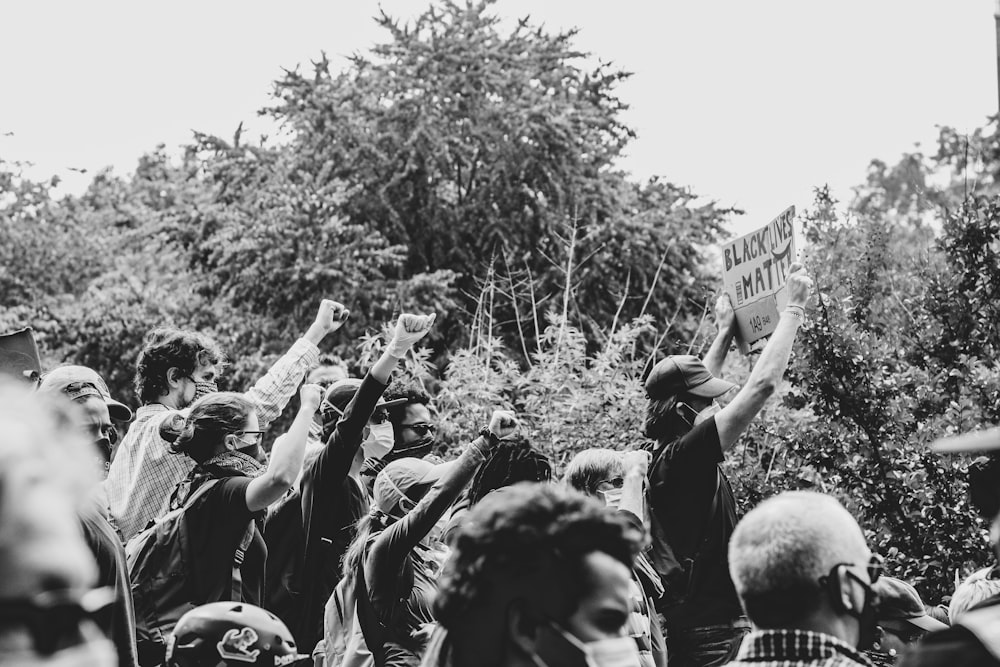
(331, 315)
(310, 394)
(799, 286)
(410, 328)
(503, 424)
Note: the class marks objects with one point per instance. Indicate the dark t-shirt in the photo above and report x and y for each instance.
(113, 573)
(216, 525)
(683, 480)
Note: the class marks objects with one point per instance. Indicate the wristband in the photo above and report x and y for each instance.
(797, 312)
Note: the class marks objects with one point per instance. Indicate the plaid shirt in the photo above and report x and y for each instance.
(145, 470)
(787, 648)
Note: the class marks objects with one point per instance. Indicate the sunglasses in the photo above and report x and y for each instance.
(421, 428)
(255, 436)
(53, 618)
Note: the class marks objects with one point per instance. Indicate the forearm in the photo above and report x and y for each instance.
(382, 369)
(774, 358)
(634, 494)
(271, 393)
(717, 353)
(288, 452)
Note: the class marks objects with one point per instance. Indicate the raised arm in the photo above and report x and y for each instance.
(396, 541)
(286, 455)
(725, 320)
(733, 419)
(633, 499)
(271, 393)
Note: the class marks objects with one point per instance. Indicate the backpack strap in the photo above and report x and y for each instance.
(371, 627)
(705, 536)
(236, 594)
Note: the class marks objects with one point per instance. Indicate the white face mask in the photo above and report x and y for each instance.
(612, 652)
(612, 497)
(710, 411)
(379, 442)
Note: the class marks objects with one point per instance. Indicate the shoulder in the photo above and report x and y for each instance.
(955, 647)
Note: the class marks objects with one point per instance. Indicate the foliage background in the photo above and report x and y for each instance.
(461, 168)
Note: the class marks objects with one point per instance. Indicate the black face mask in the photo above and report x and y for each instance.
(417, 449)
(867, 617)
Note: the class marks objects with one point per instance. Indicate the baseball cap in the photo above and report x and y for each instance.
(899, 601)
(975, 441)
(399, 477)
(684, 374)
(78, 382)
(340, 393)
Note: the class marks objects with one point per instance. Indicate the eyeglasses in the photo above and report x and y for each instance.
(53, 618)
(98, 431)
(255, 436)
(421, 428)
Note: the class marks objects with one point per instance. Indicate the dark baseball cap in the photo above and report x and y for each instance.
(899, 601)
(986, 440)
(340, 393)
(78, 382)
(684, 374)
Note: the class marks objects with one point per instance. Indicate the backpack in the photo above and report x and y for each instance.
(159, 566)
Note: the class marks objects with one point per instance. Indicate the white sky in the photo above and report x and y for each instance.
(750, 103)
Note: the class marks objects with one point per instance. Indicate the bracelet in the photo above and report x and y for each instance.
(797, 312)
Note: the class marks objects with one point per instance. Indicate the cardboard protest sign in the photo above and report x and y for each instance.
(755, 267)
(19, 354)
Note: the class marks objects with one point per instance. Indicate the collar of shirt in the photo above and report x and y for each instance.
(797, 646)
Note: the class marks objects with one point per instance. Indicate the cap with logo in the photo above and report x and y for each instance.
(78, 382)
(684, 374)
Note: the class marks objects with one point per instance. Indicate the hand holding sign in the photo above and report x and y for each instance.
(756, 268)
(725, 316)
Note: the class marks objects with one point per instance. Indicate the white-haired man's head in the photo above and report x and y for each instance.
(972, 591)
(781, 550)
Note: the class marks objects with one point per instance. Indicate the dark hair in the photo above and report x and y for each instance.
(212, 418)
(406, 388)
(529, 532)
(166, 348)
(513, 461)
(662, 421)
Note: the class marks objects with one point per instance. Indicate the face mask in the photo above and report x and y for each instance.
(417, 449)
(204, 389)
(612, 497)
(379, 442)
(710, 411)
(568, 650)
(867, 617)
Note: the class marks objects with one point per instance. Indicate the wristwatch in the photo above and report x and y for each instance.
(492, 439)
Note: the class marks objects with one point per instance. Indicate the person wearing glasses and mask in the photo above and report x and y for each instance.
(96, 409)
(691, 504)
(317, 522)
(223, 523)
(805, 577)
(50, 614)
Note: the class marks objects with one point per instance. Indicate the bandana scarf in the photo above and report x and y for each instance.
(237, 462)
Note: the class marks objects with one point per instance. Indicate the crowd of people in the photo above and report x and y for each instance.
(350, 543)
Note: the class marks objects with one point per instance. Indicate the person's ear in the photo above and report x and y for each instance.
(174, 377)
(842, 593)
(522, 627)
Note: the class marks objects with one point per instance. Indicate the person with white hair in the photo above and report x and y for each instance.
(804, 575)
(970, 593)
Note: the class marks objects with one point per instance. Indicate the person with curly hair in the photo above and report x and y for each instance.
(539, 575)
(175, 368)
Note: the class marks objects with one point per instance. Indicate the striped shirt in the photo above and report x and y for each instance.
(788, 648)
(145, 470)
